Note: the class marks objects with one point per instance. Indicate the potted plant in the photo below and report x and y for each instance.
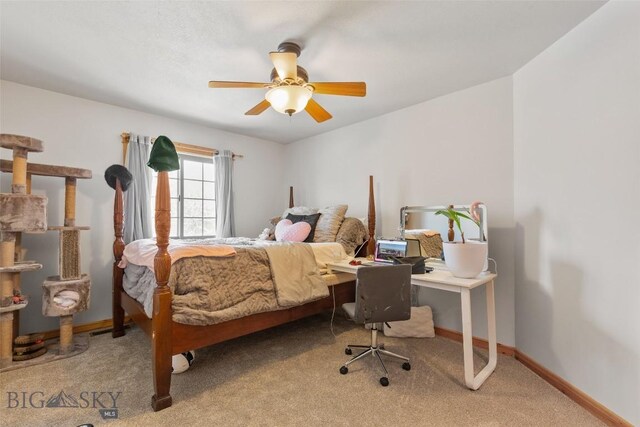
(465, 259)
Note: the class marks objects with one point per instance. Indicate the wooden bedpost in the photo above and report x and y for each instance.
(371, 219)
(161, 320)
(451, 233)
(118, 249)
(117, 275)
(291, 197)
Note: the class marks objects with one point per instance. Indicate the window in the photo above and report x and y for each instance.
(193, 201)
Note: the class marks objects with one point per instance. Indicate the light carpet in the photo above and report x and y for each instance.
(287, 376)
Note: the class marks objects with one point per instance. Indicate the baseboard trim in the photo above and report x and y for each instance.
(477, 342)
(86, 327)
(581, 398)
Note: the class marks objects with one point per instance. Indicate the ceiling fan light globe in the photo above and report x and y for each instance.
(288, 99)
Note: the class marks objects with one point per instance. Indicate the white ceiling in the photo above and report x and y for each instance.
(159, 56)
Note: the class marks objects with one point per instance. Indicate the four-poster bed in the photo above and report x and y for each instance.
(169, 337)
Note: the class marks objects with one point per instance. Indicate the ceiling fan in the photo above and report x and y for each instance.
(290, 90)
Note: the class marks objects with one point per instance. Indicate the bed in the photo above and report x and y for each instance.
(170, 337)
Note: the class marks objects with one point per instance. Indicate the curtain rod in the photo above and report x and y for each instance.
(180, 146)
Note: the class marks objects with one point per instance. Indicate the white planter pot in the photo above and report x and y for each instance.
(465, 260)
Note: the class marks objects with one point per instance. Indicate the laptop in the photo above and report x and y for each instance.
(386, 250)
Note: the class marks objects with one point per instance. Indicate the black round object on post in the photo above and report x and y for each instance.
(119, 172)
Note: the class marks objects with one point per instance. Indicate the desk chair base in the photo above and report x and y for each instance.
(374, 350)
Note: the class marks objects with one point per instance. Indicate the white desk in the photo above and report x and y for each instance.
(444, 280)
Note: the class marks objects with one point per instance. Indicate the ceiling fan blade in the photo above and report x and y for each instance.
(316, 111)
(223, 84)
(286, 64)
(263, 105)
(340, 88)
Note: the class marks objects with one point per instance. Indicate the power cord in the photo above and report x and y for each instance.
(495, 264)
(333, 313)
(360, 247)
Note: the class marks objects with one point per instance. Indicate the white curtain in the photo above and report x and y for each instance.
(138, 221)
(224, 194)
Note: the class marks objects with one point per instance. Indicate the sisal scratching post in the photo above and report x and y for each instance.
(19, 179)
(6, 342)
(7, 254)
(66, 334)
(69, 254)
(7, 248)
(69, 202)
(28, 183)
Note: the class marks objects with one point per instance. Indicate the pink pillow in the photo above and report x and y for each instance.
(286, 231)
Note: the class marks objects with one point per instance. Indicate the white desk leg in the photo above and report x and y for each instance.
(491, 329)
(472, 381)
(467, 337)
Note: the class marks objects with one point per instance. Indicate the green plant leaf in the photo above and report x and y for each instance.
(467, 217)
(449, 213)
(456, 219)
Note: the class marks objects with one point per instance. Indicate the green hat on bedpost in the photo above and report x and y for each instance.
(163, 157)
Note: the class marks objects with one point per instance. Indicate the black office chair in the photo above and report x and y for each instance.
(383, 294)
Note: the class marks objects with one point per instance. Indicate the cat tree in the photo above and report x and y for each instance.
(68, 292)
(20, 212)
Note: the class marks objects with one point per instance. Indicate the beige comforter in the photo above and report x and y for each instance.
(257, 279)
(295, 274)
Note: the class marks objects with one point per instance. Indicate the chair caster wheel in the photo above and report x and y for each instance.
(406, 366)
(384, 381)
(348, 351)
(381, 346)
(344, 370)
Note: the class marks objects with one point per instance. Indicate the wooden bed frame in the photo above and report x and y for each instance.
(168, 337)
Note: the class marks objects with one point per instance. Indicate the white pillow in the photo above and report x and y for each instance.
(419, 326)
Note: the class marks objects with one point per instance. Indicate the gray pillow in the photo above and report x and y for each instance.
(352, 234)
(300, 210)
